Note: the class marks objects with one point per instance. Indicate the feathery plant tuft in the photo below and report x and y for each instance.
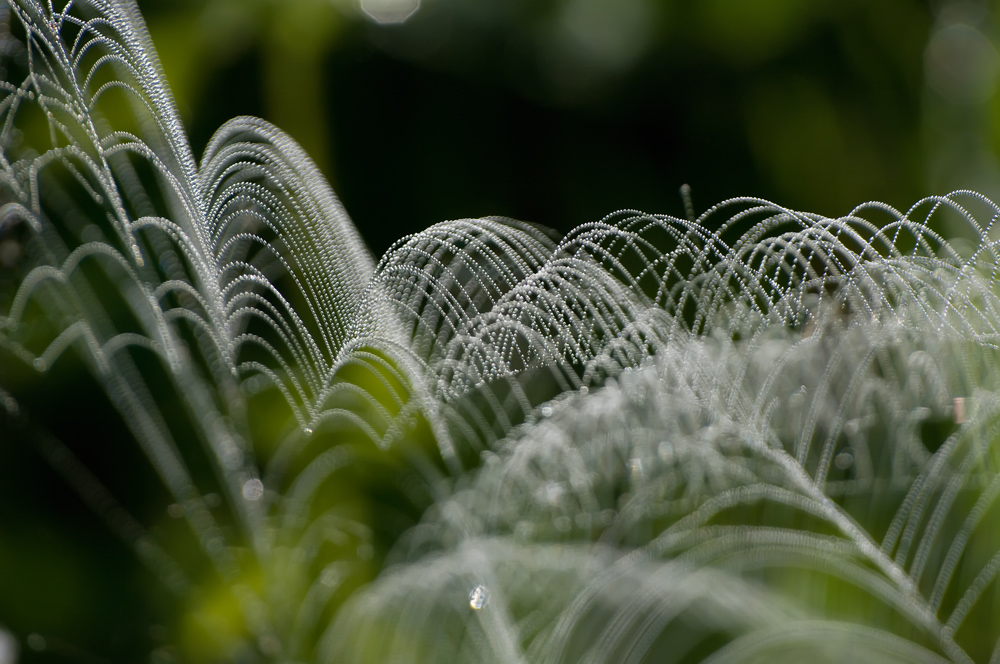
(759, 435)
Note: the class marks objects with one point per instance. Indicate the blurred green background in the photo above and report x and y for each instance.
(552, 111)
(561, 111)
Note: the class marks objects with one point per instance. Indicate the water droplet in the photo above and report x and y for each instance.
(843, 461)
(36, 641)
(232, 458)
(666, 451)
(307, 431)
(39, 364)
(546, 411)
(635, 468)
(10, 404)
(330, 577)
(215, 546)
(584, 390)
(479, 597)
(553, 492)
(253, 489)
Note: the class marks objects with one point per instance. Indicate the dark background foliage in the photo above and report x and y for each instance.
(560, 112)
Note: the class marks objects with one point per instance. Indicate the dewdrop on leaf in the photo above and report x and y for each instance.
(253, 489)
(479, 597)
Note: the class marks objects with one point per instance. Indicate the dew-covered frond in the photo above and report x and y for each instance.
(172, 283)
(836, 461)
(758, 433)
(505, 601)
(484, 301)
(289, 258)
(76, 197)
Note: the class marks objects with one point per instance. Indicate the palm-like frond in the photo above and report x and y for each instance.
(757, 434)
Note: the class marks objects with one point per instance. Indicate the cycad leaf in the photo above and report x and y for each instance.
(760, 433)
